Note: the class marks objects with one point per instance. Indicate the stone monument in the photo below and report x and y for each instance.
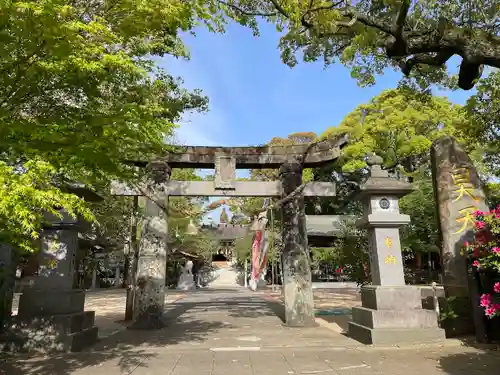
(391, 311)
(458, 194)
(186, 279)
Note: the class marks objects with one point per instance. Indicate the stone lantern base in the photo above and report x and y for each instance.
(393, 315)
(51, 321)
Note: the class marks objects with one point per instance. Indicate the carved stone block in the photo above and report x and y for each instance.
(225, 172)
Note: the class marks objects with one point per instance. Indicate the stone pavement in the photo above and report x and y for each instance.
(235, 331)
(109, 305)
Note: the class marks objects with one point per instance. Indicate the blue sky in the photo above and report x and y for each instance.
(255, 97)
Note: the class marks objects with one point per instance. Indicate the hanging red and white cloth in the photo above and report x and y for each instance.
(260, 247)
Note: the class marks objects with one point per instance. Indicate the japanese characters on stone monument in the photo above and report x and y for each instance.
(391, 311)
(458, 195)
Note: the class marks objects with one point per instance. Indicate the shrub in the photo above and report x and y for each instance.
(484, 253)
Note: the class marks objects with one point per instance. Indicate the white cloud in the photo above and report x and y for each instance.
(197, 129)
(192, 134)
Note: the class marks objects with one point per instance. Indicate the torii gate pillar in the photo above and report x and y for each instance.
(299, 301)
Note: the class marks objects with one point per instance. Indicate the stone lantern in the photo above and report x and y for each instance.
(52, 312)
(391, 311)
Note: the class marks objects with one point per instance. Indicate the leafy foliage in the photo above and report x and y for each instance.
(422, 233)
(484, 111)
(368, 36)
(352, 247)
(27, 193)
(399, 125)
(80, 95)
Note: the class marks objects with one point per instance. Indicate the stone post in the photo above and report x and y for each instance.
(51, 310)
(8, 263)
(299, 302)
(149, 295)
(458, 193)
(391, 312)
(93, 284)
(117, 276)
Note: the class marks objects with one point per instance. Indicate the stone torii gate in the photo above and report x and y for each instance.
(151, 264)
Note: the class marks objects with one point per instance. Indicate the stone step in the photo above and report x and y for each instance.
(394, 318)
(393, 336)
(62, 323)
(80, 340)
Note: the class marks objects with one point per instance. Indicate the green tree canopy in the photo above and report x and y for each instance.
(81, 95)
(399, 125)
(484, 111)
(418, 37)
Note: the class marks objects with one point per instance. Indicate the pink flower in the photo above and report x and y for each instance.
(490, 311)
(480, 224)
(496, 287)
(485, 300)
(466, 244)
(478, 212)
(476, 264)
(495, 250)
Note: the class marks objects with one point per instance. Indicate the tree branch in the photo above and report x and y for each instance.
(280, 9)
(439, 59)
(401, 18)
(429, 46)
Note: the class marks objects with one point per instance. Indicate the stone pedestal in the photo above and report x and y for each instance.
(51, 314)
(393, 315)
(297, 287)
(391, 311)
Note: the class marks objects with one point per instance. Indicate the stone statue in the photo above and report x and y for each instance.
(186, 279)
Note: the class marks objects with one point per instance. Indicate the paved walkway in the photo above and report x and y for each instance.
(237, 332)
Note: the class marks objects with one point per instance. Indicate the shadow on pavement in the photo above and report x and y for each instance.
(127, 350)
(470, 362)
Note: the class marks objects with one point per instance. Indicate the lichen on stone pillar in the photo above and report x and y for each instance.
(299, 302)
(149, 296)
